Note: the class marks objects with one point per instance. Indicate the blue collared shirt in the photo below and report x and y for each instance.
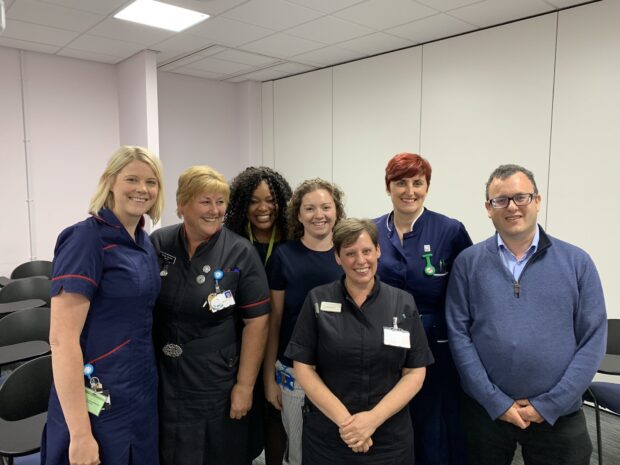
(510, 261)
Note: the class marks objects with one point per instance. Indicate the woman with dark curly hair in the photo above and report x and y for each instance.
(258, 198)
(257, 211)
(298, 266)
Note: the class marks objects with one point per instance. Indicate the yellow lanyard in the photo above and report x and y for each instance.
(271, 241)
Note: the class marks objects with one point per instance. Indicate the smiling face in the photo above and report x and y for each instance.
(408, 195)
(317, 214)
(359, 261)
(135, 191)
(203, 215)
(262, 210)
(514, 223)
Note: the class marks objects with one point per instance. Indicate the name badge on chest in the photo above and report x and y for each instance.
(395, 336)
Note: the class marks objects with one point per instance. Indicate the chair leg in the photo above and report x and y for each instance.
(6, 460)
(599, 439)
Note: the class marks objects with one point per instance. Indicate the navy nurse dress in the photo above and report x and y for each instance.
(439, 439)
(98, 259)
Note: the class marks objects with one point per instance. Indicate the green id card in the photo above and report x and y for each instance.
(94, 401)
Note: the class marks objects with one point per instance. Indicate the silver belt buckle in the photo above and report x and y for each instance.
(172, 350)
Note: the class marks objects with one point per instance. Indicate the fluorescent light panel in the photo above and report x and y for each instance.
(161, 15)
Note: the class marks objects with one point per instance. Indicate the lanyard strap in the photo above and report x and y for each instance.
(271, 240)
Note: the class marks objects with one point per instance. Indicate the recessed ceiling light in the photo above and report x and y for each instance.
(161, 15)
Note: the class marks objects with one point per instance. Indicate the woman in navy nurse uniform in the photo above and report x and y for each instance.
(104, 286)
(418, 247)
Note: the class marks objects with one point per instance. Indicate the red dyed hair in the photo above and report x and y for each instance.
(407, 165)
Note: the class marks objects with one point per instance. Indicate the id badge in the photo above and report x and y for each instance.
(396, 337)
(95, 401)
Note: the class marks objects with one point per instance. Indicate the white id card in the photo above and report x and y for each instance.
(396, 337)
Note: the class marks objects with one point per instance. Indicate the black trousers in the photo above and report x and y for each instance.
(493, 442)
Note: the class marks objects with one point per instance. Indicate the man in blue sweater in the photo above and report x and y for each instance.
(527, 329)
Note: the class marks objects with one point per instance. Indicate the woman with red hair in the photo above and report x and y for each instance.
(418, 247)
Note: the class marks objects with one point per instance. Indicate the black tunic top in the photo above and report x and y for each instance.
(350, 357)
(195, 385)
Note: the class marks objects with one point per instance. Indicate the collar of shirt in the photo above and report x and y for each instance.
(369, 297)
(510, 261)
(389, 220)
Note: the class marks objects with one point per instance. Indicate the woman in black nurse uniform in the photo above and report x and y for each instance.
(210, 327)
(360, 354)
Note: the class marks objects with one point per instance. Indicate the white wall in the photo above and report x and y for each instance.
(204, 122)
(15, 244)
(584, 181)
(469, 104)
(72, 128)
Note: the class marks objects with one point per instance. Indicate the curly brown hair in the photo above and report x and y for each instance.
(295, 228)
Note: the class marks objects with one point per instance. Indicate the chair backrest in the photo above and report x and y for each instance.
(36, 287)
(26, 390)
(33, 268)
(613, 336)
(31, 324)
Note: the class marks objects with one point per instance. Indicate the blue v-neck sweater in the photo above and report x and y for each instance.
(541, 338)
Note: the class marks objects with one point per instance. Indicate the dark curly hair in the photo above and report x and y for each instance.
(241, 190)
(295, 228)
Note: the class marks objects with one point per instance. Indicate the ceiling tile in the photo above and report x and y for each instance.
(92, 56)
(228, 31)
(376, 43)
(51, 15)
(119, 29)
(198, 73)
(36, 33)
(211, 7)
(492, 12)
(182, 62)
(261, 75)
(328, 56)
(272, 14)
(213, 65)
(26, 45)
(178, 46)
(293, 68)
(326, 6)
(106, 46)
(431, 28)
(564, 3)
(383, 14)
(102, 7)
(251, 59)
(329, 30)
(447, 5)
(282, 45)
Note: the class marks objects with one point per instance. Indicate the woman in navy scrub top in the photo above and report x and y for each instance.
(360, 354)
(257, 211)
(418, 247)
(104, 285)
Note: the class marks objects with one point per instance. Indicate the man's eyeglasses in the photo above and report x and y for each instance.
(519, 199)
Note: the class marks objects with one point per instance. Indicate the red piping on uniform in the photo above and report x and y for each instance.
(255, 304)
(111, 352)
(75, 276)
(111, 246)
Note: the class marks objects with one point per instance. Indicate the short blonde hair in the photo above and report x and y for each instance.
(198, 179)
(125, 154)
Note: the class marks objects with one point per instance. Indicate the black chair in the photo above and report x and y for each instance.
(24, 335)
(33, 268)
(36, 287)
(606, 395)
(23, 408)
